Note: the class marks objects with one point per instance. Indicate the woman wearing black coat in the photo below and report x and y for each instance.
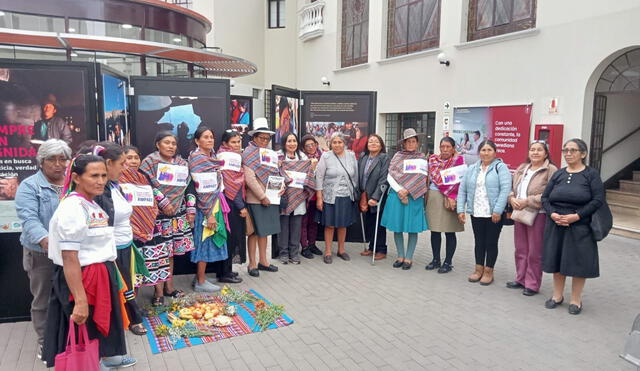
(373, 167)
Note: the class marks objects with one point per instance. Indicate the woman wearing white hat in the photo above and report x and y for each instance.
(264, 215)
(404, 212)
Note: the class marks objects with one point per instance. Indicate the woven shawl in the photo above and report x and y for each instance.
(251, 159)
(233, 180)
(149, 166)
(416, 184)
(201, 163)
(296, 196)
(143, 218)
(437, 164)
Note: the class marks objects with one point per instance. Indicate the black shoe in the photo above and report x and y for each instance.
(235, 274)
(406, 266)
(253, 272)
(435, 264)
(446, 268)
(574, 309)
(307, 253)
(327, 259)
(397, 264)
(230, 279)
(268, 268)
(528, 292)
(514, 285)
(315, 250)
(344, 256)
(550, 304)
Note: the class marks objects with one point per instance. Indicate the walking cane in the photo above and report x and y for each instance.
(364, 237)
(383, 188)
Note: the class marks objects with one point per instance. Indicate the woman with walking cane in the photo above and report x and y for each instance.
(373, 168)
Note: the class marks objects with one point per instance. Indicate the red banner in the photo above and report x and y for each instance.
(509, 128)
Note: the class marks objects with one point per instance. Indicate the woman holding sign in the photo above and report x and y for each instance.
(445, 171)
(115, 203)
(168, 174)
(209, 230)
(230, 152)
(483, 194)
(139, 193)
(404, 212)
(297, 167)
(263, 179)
(337, 193)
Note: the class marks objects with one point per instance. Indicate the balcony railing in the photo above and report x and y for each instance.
(311, 21)
(183, 3)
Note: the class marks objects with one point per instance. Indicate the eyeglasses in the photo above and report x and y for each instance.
(570, 150)
(309, 145)
(263, 137)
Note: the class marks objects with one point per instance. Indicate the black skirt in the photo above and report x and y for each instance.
(342, 213)
(570, 251)
(237, 240)
(59, 312)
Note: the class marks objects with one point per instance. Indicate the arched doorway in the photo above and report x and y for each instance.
(616, 114)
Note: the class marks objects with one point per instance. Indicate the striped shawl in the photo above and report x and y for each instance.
(143, 218)
(233, 180)
(173, 194)
(416, 184)
(251, 159)
(436, 165)
(296, 196)
(201, 163)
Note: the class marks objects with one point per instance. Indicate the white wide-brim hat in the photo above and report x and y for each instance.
(260, 125)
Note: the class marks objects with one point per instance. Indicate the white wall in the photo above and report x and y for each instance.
(562, 58)
(622, 117)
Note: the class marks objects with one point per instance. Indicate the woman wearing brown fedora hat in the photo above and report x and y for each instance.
(404, 212)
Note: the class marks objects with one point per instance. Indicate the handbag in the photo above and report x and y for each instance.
(81, 356)
(601, 222)
(525, 216)
(250, 229)
(506, 215)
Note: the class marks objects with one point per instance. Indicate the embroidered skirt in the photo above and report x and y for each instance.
(172, 235)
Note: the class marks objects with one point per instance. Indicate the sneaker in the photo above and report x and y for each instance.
(39, 354)
(315, 250)
(118, 362)
(206, 286)
(294, 261)
(284, 260)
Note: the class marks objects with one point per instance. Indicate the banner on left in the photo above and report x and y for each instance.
(37, 102)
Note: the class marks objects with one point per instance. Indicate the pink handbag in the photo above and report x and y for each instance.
(81, 356)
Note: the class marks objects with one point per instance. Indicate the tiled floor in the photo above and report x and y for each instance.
(351, 315)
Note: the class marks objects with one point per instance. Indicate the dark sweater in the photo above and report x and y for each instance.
(579, 193)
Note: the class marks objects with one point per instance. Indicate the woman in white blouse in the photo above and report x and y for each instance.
(85, 287)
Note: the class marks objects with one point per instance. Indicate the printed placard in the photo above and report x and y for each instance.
(175, 175)
(415, 166)
(206, 182)
(268, 157)
(274, 186)
(453, 175)
(298, 179)
(232, 161)
(137, 195)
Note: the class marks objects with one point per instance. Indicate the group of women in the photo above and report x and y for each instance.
(137, 215)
